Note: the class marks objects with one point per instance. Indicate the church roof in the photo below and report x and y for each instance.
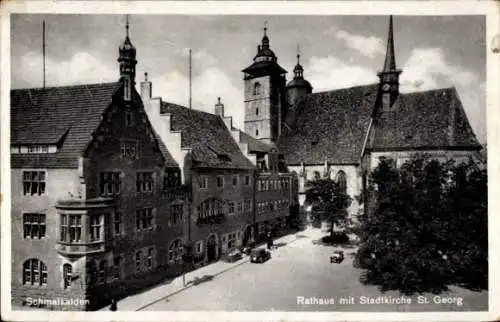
(211, 143)
(333, 125)
(329, 126)
(424, 120)
(65, 116)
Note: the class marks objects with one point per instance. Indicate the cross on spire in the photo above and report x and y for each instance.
(298, 53)
(265, 28)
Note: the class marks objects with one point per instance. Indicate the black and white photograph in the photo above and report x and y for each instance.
(219, 158)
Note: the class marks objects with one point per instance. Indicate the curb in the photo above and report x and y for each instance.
(189, 285)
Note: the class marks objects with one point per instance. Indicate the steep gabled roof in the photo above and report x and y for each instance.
(211, 143)
(433, 119)
(65, 116)
(255, 145)
(329, 126)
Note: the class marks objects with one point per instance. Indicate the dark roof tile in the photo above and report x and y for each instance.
(47, 115)
(432, 119)
(329, 126)
(211, 143)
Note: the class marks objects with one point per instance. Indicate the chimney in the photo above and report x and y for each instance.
(146, 88)
(219, 108)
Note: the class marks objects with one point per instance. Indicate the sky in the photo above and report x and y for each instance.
(336, 52)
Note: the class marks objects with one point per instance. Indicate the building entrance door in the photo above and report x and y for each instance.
(211, 249)
(247, 236)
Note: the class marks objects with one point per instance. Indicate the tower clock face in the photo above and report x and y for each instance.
(386, 87)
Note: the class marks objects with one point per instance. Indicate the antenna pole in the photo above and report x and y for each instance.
(43, 51)
(190, 79)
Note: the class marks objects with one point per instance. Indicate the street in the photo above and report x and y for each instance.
(300, 277)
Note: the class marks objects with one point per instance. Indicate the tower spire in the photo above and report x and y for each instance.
(298, 54)
(390, 57)
(389, 76)
(126, 25)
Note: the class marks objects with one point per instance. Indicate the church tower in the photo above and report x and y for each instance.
(298, 86)
(126, 58)
(389, 76)
(264, 94)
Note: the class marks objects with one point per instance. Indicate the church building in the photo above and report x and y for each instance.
(342, 133)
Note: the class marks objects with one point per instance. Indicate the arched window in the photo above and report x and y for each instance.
(316, 175)
(67, 274)
(256, 89)
(34, 272)
(256, 132)
(341, 180)
(175, 251)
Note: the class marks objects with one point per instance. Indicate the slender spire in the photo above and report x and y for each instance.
(298, 54)
(390, 57)
(265, 39)
(126, 25)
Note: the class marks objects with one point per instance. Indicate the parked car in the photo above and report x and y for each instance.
(233, 256)
(259, 255)
(246, 250)
(337, 257)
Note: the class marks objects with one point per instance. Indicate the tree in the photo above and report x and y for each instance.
(424, 226)
(330, 199)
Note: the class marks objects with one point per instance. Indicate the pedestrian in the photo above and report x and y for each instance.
(113, 306)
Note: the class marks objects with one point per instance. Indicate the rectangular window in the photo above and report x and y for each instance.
(203, 182)
(149, 259)
(240, 209)
(231, 241)
(117, 223)
(102, 271)
(128, 149)
(175, 215)
(199, 247)
(235, 181)
(145, 182)
(110, 183)
(129, 119)
(220, 181)
(95, 227)
(34, 226)
(171, 179)
(231, 208)
(138, 255)
(144, 218)
(67, 275)
(117, 267)
(33, 183)
(247, 180)
(71, 228)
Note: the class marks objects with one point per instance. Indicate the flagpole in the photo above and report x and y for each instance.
(190, 80)
(43, 51)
